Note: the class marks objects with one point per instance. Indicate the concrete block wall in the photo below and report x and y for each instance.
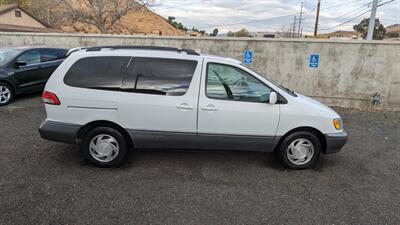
(350, 72)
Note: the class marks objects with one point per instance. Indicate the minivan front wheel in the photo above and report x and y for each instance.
(104, 147)
(299, 150)
(6, 94)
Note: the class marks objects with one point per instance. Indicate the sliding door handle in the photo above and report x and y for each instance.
(209, 108)
(185, 106)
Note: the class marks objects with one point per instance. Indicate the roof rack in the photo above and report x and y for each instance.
(158, 48)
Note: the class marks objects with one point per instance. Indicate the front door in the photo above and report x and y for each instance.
(234, 113)
(29, 75)
(159, 105)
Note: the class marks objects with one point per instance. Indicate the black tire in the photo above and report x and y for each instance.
(11, 94)
(282, 150)
(89, 153)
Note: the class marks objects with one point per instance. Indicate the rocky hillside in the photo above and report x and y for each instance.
(143, 21)
(393, 28)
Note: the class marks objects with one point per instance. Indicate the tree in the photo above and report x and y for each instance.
(393, 34)
(103, 14)
(230, 34)
(215, 32)
(379, 30)
(178, 25)
(242, 33)
(171, 19)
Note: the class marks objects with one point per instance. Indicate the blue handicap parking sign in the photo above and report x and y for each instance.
(248, 57)
(314, 61)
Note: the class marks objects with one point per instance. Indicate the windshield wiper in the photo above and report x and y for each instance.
(288, 90)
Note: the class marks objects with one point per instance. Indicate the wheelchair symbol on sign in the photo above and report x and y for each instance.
(314, 61)
(248, 57)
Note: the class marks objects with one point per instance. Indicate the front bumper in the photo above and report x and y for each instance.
(335, 142)
(60, 132)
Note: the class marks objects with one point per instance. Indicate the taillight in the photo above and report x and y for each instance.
(50, 98)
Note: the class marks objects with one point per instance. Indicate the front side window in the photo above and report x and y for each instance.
(160, 76)
(231, 83)
(97, 72)
(30, 57)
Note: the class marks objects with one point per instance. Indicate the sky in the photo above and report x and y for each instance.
(273, 15)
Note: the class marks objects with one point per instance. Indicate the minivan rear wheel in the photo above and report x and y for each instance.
(6, 94)
(299, 150)
(104, 147)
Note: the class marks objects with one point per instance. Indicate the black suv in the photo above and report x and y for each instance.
(26, 70)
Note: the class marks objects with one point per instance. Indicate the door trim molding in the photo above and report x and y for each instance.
(145, 139)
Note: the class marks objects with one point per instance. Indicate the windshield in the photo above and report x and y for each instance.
(283, 88)
(6, 56)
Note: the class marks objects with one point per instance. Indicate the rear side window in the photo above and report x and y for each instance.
(97, 72)
(52, 54)
(160, 76)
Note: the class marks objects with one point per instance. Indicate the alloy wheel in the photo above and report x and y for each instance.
(5, 94)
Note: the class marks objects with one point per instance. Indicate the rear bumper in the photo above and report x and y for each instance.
(60, 132)
(335, 142)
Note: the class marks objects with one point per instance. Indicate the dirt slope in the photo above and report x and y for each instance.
(139, 22)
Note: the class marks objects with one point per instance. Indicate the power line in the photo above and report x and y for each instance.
(343, 4)
(348, 13)
(348, 21)
(307, 14)
(358, 16)
(353, 11)
(179, 6)
(246, 22)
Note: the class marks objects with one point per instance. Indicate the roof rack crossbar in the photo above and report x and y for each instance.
(159, 48)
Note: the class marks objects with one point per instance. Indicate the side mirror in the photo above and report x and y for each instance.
(19, 64)
(273, 98)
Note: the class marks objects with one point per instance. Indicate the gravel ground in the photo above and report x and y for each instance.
(44, 182)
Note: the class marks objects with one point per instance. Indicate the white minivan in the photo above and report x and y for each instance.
(113, 98)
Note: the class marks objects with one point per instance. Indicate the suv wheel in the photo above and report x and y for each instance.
(6, 94)
(104, 147)
(299, 150)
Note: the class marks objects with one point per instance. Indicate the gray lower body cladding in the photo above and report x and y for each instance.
(60, 132)
(172, 140)
(67, 133)
(335, 142)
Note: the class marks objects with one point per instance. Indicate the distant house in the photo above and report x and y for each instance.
(264, 34)
(393, 28)
(340, 34)
(13, 18)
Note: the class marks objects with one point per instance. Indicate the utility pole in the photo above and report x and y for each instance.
(371, 27)
(317, 18)
(48, 16)
(290, 31)
(294, 26)
(301, 16)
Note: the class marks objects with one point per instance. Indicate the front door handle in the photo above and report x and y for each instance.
(185, 106)
(209, 108)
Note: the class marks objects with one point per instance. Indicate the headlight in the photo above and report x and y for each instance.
(338, 124)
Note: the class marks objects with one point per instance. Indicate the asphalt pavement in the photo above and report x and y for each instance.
(43, 182)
